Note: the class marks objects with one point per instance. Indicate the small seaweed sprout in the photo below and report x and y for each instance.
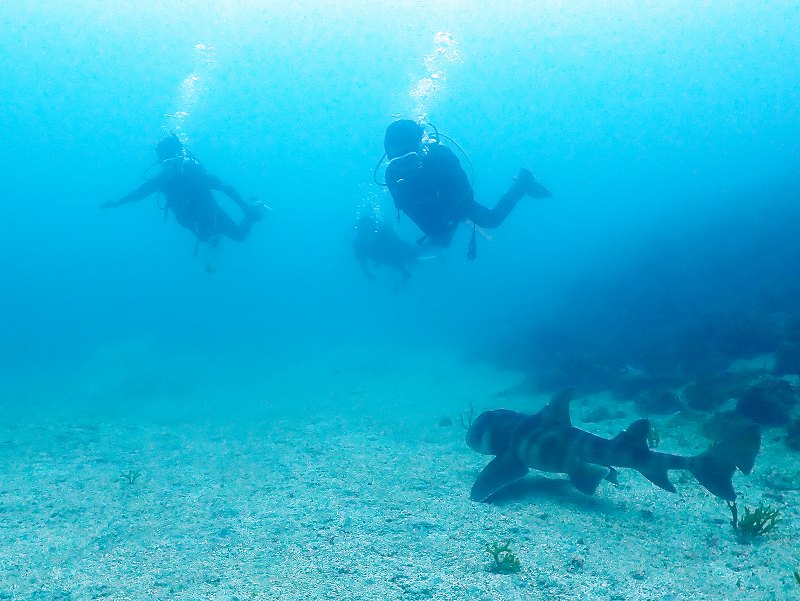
(467, 417)
(753, 523)
(797, 576)
(131, 476)
(503, 560)
(653, 438)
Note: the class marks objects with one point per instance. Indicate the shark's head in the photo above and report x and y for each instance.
(490, 433)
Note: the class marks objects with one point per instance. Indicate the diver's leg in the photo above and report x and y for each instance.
(228, 227)
(524, 183)
(485, 217)
(236, 231)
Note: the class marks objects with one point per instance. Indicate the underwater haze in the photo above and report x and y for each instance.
(668, 133)
(645, 119)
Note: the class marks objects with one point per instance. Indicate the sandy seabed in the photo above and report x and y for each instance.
(362, 492)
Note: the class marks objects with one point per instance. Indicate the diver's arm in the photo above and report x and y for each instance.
(146, 189)
(398, 175)
(217, 184)
(359, 251)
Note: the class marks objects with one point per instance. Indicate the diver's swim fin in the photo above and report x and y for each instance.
(256, 210)
(536, 190)
(532, 188)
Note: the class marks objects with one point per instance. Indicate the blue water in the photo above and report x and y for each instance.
(668, 133)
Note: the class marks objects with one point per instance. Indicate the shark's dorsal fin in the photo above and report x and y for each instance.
(635, 435)
(635, 438)
(557, 410)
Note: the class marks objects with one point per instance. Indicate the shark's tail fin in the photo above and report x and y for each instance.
(714, 468)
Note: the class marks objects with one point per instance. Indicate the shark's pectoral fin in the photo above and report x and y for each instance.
(587, 476)
(500, 472)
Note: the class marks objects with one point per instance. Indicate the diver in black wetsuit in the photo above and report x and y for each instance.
(429, 185)
(187, 188)
(377, 242)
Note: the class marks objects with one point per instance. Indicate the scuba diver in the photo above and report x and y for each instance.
(377, 242)
(187, 189)
(428, 184)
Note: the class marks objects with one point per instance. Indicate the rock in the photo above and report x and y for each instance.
(658, 401)
(710, 392)
(768, 402)
(725, 424)
(793, 435)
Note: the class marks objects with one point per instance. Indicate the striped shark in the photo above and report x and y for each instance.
(547, 441)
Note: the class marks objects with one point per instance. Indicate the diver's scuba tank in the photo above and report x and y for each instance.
(428, 140)
(172, 155)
